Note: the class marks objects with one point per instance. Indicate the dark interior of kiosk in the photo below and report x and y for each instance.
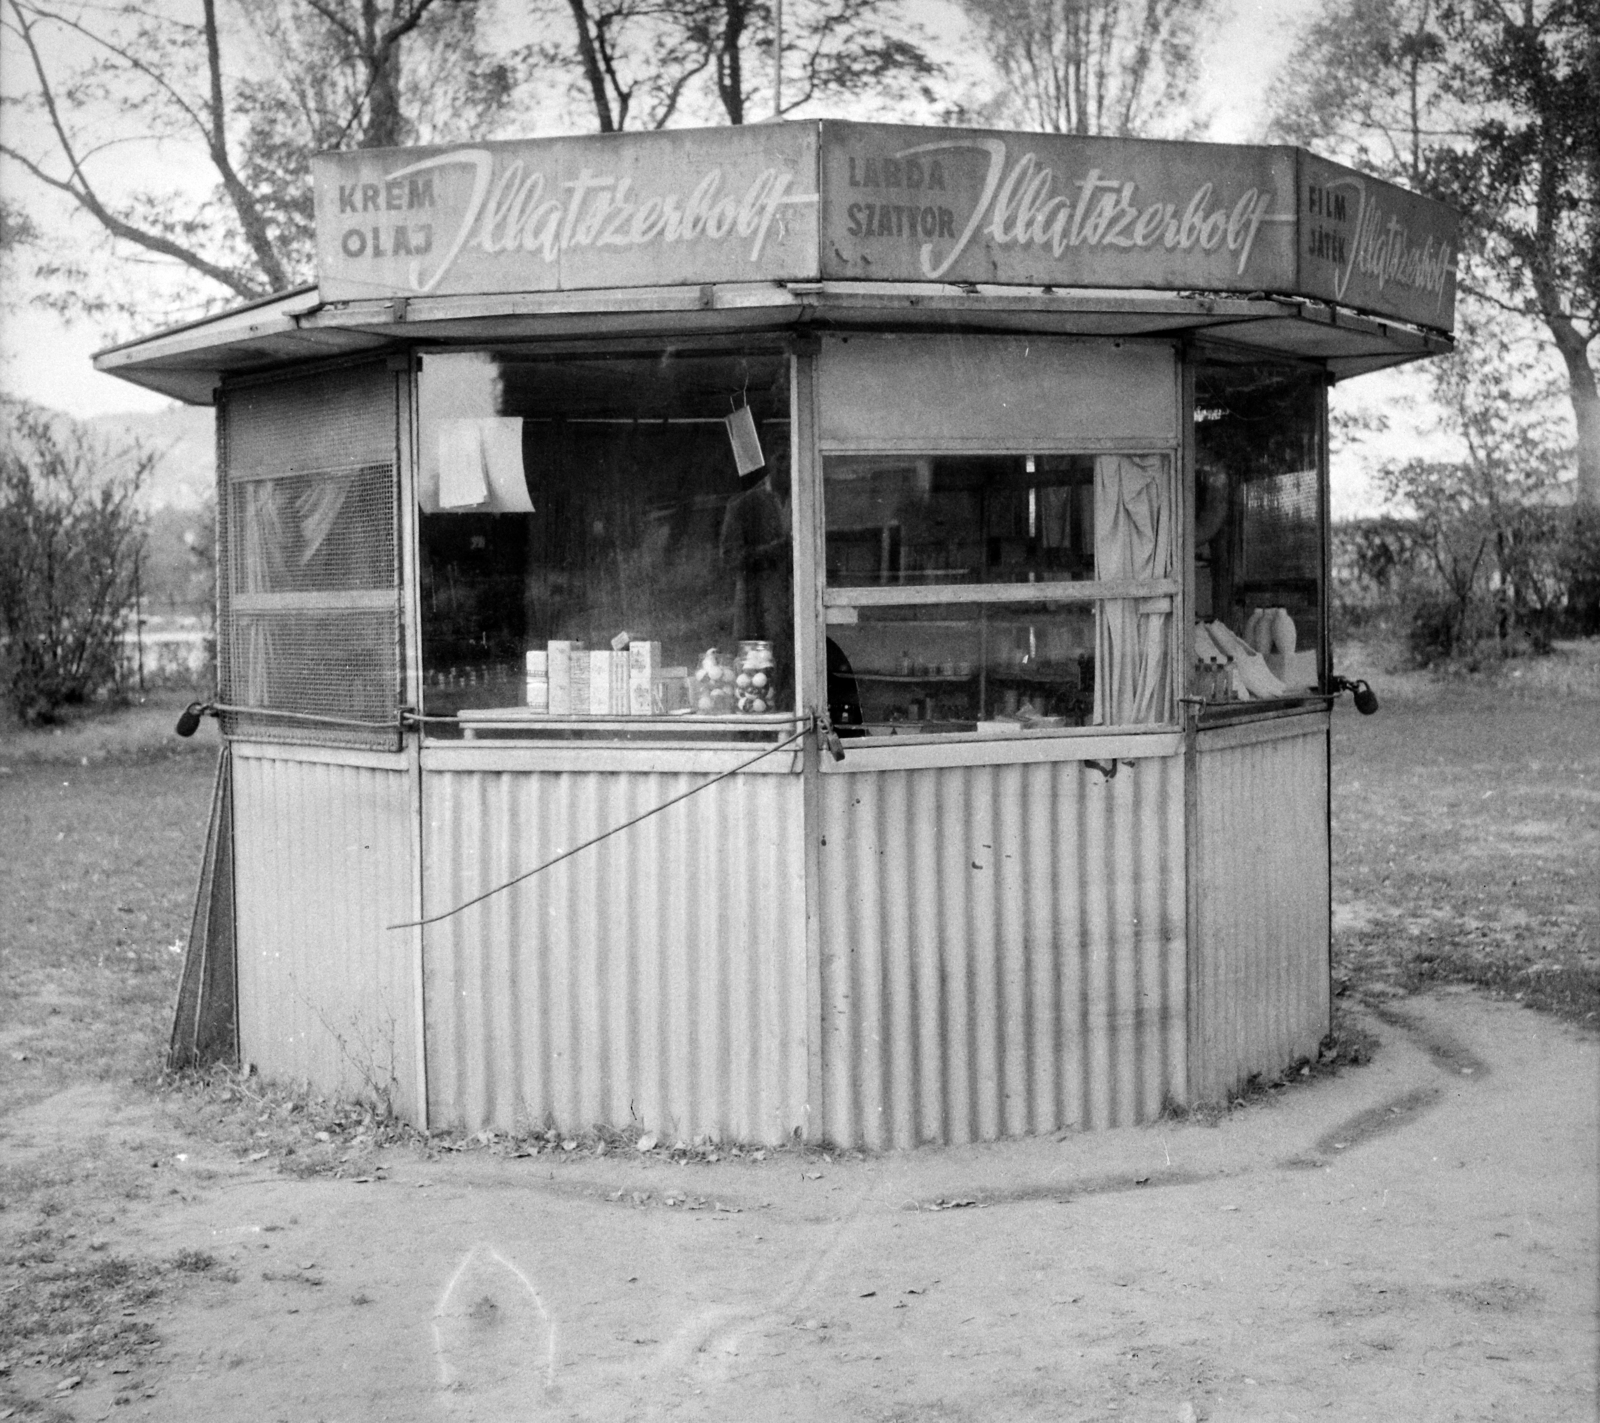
(964, 519)
(1259, 497)
(641, 524)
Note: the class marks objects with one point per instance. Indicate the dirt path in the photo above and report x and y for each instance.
(1415, 1239)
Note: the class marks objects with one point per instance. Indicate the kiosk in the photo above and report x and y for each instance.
(815, 629)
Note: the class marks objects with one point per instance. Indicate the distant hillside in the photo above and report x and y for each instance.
(185, 475)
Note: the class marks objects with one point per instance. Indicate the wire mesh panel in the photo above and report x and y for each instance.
(1282, 532)
(309, 594)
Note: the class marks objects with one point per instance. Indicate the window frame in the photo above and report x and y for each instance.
(1215, 714)
(630, 741)
(1095, 592)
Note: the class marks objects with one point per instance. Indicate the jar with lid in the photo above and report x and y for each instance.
(754, 671)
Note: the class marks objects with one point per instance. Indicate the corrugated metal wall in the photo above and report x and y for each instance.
(658, 977)
(1261, 980)
(1002, 950)
(323, 863)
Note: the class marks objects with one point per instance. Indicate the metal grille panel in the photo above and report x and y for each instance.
(320, 663)
(1282, 537)
(309, 587)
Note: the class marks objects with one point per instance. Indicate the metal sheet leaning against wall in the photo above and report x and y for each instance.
(657, 978)
(324, 848)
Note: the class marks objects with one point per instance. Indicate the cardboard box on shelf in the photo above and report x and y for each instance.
(643, 667)
(560, 667)
(619, 683)
(578, 662)
(600, 683)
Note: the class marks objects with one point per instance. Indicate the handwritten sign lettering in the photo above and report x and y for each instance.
(557, 214)
(1371, 245)
(844, 201)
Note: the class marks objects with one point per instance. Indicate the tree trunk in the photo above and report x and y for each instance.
(1585, 410)
(730, 63)
(381, 56)
(591, 67)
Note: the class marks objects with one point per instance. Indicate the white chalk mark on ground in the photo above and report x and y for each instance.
(493, 1338)
(712, 1338)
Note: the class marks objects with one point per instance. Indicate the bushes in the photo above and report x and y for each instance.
(69, 544)
(1468, 585)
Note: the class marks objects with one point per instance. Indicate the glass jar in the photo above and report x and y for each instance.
(712, 685)
(754, 673)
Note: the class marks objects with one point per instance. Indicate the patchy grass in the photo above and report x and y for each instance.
(1466, 832)
(101, 832)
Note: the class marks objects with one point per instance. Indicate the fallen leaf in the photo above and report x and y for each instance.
(646, 1142)
(67, 1385)
(569, 1145)
(813, 1175)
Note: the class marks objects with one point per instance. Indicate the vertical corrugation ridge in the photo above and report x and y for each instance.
(657, 977)
(1003, 950)
(322, 869)
(1262, 922)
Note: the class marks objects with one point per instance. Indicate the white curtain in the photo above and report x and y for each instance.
(1133, 540)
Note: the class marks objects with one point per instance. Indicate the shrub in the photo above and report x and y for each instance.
(69, 542)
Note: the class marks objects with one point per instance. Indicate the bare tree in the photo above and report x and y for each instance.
(254, 89)
(649, 62)
(1493, 106)
(1095, 66)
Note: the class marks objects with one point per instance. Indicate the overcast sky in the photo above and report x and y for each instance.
(47, 360)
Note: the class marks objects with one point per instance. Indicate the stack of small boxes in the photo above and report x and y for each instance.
(568, 679)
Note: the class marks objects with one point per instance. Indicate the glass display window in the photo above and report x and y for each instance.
(605, 540)
(1259, 532)
(1000, 593)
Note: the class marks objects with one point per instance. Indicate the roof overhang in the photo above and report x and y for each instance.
(189, 362)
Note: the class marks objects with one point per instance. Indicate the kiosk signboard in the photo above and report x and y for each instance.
(878, 202)
(621, 210)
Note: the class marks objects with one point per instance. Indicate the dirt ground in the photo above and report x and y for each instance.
(1414, 1239)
